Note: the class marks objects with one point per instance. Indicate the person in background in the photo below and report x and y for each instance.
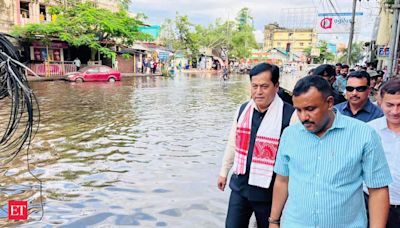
(340, 83)
(252, 147)
(328, 72)
(373, 85)
(322, 163)
(358, 104)
(139, 67)
(311, 71)
(388, 128)
(338, 68)
(77, 63)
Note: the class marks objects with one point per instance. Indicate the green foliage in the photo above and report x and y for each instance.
(243, 19)
(324, 54)
(237, 35)
(85, 24)
(126, 56)
(188, 41)
(356, 53)
(307, 51)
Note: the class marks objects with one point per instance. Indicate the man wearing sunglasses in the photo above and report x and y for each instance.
(358, 104)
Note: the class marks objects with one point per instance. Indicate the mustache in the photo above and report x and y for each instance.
(355, 97)
(307, 122)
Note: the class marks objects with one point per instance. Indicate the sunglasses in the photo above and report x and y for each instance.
(358, 88)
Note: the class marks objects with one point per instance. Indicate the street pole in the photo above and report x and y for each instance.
(350, 44)
(393, 38)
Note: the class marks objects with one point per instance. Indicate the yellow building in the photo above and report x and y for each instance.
(297, 39)
(21, 12)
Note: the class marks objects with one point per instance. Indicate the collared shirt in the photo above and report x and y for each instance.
(239, 183)
(340, 84)
(391, 146)
(326, 174)
(367, 113)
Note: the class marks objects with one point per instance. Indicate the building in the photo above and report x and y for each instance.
(21, 12)
(293, 40)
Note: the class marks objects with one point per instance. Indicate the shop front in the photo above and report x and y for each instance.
(48, 59)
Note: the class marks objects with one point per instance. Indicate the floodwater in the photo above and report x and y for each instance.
(143, 152)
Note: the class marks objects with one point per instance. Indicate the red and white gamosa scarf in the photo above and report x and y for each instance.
(266, 144)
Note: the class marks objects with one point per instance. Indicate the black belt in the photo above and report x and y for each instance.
(394, 206)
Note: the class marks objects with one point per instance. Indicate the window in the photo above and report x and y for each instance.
(24, 9)
(301, 44)
(103, 70)
(42, 11)
(278, 44)
(92, 70)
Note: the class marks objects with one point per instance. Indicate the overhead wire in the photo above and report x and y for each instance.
(23, 114)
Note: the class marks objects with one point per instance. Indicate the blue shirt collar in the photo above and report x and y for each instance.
(367, 107)
(337, 122)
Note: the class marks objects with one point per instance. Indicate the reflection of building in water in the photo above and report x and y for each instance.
(16, 12)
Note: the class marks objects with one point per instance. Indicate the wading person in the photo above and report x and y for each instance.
(252, 148)
(322, 163)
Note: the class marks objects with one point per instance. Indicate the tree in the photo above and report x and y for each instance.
(217, 35)
(188, 41)
(237, 35)
(243, 39)
(324, 53)
(244, 19)
(356, 53)
(86, 25)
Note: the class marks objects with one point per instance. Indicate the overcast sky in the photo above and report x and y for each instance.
(263, 12)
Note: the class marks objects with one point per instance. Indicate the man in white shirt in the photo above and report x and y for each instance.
(388, 128)
(77, 63)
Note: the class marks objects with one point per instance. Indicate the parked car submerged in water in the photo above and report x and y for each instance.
(94, 74)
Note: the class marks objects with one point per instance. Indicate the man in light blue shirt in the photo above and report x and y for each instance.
(322, 163)
(388, 128)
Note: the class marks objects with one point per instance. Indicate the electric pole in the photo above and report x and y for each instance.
(393, 40)
(350, 44)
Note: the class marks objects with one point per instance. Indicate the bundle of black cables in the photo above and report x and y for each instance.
(19, 109)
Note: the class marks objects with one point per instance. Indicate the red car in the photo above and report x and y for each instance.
(94, 73)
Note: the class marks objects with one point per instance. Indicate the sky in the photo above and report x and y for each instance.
(263, 12)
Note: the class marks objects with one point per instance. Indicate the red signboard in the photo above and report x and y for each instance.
(17, 210)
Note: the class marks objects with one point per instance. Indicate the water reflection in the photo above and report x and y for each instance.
(142, 152)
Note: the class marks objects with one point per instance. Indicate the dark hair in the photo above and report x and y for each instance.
(327, 69)
(391, 87)
(380, 72)
(304, 84)
(352, 70)
(360, 74)
(262, 67)
(339, 64)
(345, 66)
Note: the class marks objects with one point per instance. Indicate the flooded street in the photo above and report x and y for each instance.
(142, 152)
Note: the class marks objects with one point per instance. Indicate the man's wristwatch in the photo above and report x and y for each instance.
(273, 221)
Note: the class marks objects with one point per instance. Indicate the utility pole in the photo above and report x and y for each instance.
(350, 44)
(393, 39)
